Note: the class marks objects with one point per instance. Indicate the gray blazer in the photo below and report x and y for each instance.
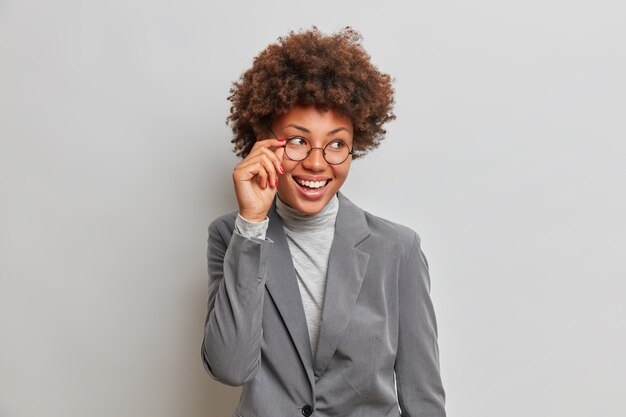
(377, 318)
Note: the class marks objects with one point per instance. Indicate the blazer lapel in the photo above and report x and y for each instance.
(346, 269)
(283, 287)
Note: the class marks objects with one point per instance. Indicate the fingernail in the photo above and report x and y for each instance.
(281, 139)
(276, 183)
(282, 170)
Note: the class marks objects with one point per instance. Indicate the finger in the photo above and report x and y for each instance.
(272, 173)
(268, 143)
(246, 170)
(249, 167)
(261, 175)
(274, 159)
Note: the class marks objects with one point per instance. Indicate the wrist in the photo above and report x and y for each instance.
(253, 218)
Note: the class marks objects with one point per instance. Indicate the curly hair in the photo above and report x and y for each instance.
(310, 68)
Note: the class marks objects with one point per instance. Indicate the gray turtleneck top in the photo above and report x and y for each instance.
(309, 238)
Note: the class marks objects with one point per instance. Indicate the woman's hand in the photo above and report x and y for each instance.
(256, 178)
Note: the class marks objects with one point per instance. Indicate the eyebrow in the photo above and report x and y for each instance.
(304, 129)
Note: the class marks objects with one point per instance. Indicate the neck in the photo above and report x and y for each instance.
(295, 220)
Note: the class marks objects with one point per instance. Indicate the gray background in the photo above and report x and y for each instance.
(507, 156)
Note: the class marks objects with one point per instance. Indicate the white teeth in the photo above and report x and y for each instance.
(312, 184)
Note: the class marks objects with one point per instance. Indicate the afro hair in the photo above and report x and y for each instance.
(310, 68)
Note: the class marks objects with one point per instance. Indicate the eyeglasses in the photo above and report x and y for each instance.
(298, 149)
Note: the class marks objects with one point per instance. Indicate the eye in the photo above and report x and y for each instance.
(296, 141)
(337, 145)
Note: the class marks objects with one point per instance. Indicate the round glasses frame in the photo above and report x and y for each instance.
(312, 147)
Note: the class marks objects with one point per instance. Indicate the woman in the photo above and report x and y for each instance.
(316, 307)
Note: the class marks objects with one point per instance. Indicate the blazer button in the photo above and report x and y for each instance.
(307, 410)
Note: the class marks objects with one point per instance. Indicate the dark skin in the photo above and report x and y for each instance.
(267, 170)
(256, 178)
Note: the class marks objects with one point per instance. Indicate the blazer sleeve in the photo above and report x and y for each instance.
(419, 386)
(231, 349)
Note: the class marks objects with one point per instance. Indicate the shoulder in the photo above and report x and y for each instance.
(392, 233)
(391, 242)
(383, 231)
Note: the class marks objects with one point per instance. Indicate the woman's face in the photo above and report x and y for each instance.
(319, 127)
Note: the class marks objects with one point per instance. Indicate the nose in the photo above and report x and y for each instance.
(315, 161)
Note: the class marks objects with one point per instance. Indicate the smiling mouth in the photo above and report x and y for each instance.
(311, 185)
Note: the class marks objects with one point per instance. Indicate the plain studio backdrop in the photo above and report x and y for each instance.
(507, 157)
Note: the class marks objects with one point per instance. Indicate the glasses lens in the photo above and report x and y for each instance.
(336, 152)
(297, 148)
